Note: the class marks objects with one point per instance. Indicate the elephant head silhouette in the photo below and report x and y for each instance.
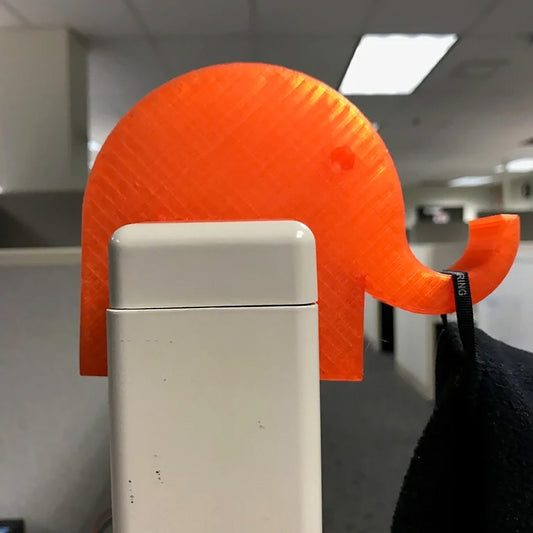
(261, 142)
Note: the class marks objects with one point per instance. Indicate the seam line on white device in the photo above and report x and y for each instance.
(210, 307)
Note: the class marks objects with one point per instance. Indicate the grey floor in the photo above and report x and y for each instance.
(369, 432)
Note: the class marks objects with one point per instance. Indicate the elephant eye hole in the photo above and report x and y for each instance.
(342, 158)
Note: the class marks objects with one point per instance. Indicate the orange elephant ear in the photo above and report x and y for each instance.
(240, 142)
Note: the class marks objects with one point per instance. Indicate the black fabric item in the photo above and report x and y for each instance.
(463, 309)
(472, 470)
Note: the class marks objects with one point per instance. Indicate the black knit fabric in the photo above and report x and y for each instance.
(473, 467)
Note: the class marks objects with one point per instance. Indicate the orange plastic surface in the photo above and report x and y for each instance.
(259, 142)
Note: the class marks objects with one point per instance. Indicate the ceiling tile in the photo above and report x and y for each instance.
(443, 135)
(380, 109)
(425, 16)
(325, 58)
(199, 17)
(458, 123)
(313, 16)
(508, 18)
(185, 54)
(481, 65)
(90, 17)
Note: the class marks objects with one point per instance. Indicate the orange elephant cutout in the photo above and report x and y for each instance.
(261, 142)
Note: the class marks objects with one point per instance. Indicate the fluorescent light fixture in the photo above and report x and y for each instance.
(94, 146)
(523, 164)
(394, 63)
(471, 181)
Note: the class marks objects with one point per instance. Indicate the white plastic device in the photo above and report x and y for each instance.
(214, 378)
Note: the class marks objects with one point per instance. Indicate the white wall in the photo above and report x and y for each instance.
(415, 350)
(78, 111)
(512, 191)
(472, 199)
(54, 439)
(414, 334)
(372, 322)
(43, 139)
(506, 314)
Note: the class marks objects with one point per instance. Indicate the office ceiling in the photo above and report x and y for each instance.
(474, 108)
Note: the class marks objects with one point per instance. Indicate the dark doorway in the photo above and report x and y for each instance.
(387, 328)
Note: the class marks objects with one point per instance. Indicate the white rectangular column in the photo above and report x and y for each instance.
(214, 378)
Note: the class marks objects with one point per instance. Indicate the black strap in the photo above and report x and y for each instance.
(464, 310)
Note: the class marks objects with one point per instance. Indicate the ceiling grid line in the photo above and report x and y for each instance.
(483, 15)
(365, 21)
(135, 43)
(370, 16)
(368, 19)
(253, 21)
(15, 13)
(148, 36)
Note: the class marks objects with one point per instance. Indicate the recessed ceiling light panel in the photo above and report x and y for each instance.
(522, 164)
(471, 181)
(394, 63)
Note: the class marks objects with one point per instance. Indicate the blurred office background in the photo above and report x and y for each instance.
(461, 137)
